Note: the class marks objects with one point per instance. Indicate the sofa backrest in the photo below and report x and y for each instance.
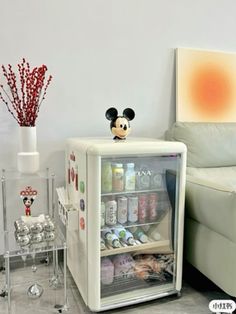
(208, 144)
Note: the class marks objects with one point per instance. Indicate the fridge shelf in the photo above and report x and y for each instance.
(131, 284)
(141, 271)
(132, 192)
(159, 246)
(161, 215)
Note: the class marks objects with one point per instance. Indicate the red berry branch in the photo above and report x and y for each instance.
(24, 102)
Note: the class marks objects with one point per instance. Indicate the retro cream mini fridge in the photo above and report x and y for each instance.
(125, 228)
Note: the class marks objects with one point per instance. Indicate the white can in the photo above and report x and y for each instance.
(133, 209)
(122, 209)
(111, 213)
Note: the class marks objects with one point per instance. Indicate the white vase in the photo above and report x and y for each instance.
(28, 157)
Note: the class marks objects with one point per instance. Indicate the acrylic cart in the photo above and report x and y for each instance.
(15, 186)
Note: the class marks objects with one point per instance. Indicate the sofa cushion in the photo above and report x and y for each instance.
(208, 144)
(211, 198)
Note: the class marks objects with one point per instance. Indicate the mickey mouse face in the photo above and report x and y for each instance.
(120, 125)
(28, 201)
(121, 128)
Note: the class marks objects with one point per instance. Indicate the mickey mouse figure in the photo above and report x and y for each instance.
(120, 125)
(28, 202)
(28, 196)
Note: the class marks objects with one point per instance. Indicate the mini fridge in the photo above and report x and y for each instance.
(125, 223)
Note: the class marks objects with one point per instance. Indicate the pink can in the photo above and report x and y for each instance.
(152, 206)
(142, 208)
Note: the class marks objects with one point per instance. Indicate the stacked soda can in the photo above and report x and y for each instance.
(22, 233)
(32, 233)
(49, 229)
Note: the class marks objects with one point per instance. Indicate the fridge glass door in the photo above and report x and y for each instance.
(139, 217)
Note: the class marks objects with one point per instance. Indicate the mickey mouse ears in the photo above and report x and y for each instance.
(129, 114)
(112, 114)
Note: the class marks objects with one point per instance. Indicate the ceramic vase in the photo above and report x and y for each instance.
(28, 157)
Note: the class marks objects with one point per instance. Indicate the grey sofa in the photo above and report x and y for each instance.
(210, 224)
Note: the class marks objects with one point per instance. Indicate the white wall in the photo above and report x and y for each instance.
(103, 53)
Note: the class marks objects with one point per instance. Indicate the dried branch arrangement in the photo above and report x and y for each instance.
(26, 92)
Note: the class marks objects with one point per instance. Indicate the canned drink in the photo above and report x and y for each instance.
(49, 236)
(21, 227)
(122, 209)
(36, 227)
(142, 208)
(37, 237)
(48, 225)
(133, 209)
(152, 206)
(111, 213)
(22, 240)
(17, 223)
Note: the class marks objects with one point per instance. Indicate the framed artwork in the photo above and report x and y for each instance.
(205, 86)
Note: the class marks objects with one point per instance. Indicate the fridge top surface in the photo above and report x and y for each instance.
(106, 146)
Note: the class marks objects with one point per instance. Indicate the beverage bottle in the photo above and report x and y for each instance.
(103, 212)
(113, 241)
(111, 212)
(122, 209)
(156, 180)
(140, 235)
(117, 177)
(102, 244)
(120, 232)
(129, 239)
(106, 177)
(130, 177)
(107, 234)
(111, 238)
(143, 178)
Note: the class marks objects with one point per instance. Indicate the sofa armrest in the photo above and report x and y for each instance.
(212, 205)
(208, 184)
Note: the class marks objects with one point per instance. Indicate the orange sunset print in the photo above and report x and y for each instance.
(206, 84)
